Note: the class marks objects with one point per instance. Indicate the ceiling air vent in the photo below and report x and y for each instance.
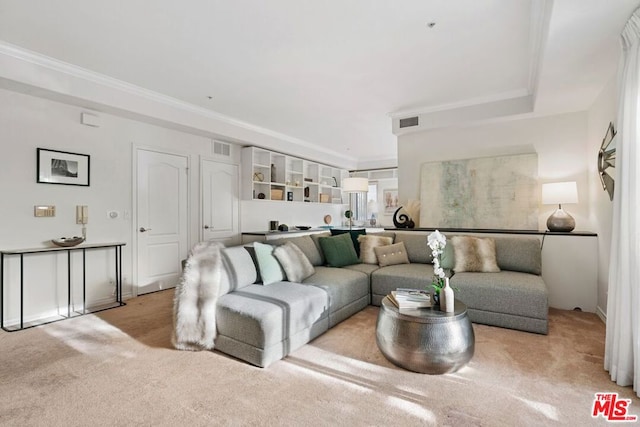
(221, 148)
(408, 122)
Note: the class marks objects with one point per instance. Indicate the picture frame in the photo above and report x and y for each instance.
(390, 200)
(62, 167)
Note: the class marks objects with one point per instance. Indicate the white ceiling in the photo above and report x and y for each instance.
(332, 72)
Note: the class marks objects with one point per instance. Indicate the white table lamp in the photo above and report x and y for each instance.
(559, 193)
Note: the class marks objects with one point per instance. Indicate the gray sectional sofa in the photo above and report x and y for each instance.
(262, 324)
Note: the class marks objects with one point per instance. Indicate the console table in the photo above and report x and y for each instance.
(117, 246)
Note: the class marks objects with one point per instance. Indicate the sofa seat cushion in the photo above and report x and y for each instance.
(508, 292)
(262, 316)
(387, 279)
(363, 268)
(343, 285)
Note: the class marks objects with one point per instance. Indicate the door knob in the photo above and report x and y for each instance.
(142, 229)
(206, 227)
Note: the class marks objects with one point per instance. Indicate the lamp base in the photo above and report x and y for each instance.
(561, 221)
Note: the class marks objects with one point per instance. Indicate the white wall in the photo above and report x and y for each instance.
(28, 122)
(600, 114)
(560, 142)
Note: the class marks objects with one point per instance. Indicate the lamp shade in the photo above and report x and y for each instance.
(558, 193)
(355, 185)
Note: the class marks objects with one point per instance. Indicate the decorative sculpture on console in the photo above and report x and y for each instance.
(402, 220)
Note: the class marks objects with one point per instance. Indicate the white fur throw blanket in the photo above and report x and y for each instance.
(194, 305)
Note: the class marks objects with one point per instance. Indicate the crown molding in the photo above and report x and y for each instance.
(110, 83)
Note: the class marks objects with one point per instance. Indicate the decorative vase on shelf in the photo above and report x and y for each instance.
(273, 172)
(449, 299)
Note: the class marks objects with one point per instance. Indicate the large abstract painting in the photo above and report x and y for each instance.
(489, 192)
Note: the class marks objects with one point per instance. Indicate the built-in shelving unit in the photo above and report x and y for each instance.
(270, 175)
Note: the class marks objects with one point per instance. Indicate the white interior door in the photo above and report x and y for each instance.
(219, 184)
(161, 219)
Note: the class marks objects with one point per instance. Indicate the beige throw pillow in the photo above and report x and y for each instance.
(295, 263)
(391, 254)
(367, 243)
(474, 254)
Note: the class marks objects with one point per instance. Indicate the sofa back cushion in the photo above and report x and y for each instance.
(239, 269)
(416, 246)
(521, 254)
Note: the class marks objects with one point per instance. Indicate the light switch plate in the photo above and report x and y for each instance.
(44, 211)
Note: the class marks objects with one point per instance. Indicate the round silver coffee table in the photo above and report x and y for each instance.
(425, 340)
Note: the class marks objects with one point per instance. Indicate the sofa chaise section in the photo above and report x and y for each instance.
(262, 324)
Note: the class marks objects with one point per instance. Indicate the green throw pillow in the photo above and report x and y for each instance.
(270, 269)
(354, 236)
(338, 250)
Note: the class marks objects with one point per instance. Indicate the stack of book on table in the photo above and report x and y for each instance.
(410, 298)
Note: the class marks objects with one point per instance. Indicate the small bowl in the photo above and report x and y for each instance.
(302, 227)
(68, 241)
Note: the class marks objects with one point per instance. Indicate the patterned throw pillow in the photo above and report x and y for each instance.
(392, 254)
(367, 243)
(294, 262)
(474, 254)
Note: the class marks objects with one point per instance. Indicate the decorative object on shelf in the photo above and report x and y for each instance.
(306, 191)
(354, 187)
(437, 242)
(402, 220)
(62, 167)
(303, 227)
(283, 227)
(68, 241)
(273, 173)
(412, 208)
(261, 196)
(348, 214)
(607, 160)
(327, 219)
(273, 225)
(335, 181)
(258, 176)
(449, 299)
(559, 193)
(308, 179)
(277, 194)
(290, 196)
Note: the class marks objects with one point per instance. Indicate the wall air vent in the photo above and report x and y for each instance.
(221, 148)
(408, 122)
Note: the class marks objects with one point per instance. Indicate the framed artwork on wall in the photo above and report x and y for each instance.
(390, 200)
(62, 167)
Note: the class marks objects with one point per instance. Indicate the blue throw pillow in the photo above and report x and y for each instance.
(270, 269)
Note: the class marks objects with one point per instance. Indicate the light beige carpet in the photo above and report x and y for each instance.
(117, 368)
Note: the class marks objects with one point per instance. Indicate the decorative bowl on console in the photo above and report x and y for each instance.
(68, 241)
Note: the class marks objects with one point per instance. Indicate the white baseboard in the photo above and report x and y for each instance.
(602, 315)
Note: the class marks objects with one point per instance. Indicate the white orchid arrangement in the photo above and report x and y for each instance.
(437, 242)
